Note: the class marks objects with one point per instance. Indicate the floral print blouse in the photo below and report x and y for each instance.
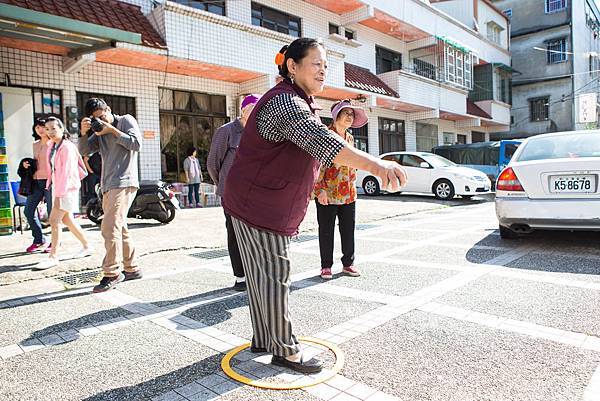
(338, 181)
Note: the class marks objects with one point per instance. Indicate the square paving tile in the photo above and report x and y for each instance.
(552, 262)
(133, 363)
(389, 279)
(407, 234)
(425, 357)
(182, 287)
(50, 317)
(447, 255)
(311, 312)
(567, 308)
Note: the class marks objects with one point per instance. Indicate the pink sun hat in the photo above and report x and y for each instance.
(360, 116)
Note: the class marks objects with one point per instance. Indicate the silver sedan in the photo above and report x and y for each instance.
(552, 182)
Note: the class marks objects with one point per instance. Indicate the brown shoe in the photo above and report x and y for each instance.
(313, 365)
(108, 283)
(136, 275)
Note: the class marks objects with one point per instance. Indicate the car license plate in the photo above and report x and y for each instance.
(573, 183)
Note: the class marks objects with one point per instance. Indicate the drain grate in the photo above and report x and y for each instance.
(365, 226)
(212, 254)
(304, 238)
(87, 276)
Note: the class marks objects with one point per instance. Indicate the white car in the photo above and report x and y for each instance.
(430, 174)
(551, 182)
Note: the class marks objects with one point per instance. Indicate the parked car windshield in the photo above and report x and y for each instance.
(562, 147)
(438, 161)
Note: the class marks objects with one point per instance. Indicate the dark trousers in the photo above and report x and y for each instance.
(193, 189)
(346, 215)
(89, 187)
(38, 193)
(233, 247)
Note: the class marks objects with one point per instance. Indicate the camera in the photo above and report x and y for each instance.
(96, 126)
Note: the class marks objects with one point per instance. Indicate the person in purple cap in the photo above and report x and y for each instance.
(335, 194)
(220, 158)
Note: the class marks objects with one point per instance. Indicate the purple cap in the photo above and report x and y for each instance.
(360, 116)
(250, 99)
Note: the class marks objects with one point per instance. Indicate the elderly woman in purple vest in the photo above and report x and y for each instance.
(269, 187)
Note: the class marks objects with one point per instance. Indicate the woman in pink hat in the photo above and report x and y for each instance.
(335, 194)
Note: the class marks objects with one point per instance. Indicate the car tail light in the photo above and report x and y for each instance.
(508, 181)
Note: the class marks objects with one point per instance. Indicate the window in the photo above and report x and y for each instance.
(391, 135)
(387, 60)
(120, 105)
(503, 86)
(412, 161)
(459, 67)
(427, 137)
(508, 13)
(556, 51)
(361, 138)
(539, 109)
(212, 6)
(392, 158)
(553, 6)
(449, 138)
(424, 69)
(187, 119)
(47, 103)
(477, 137)
(333, 28)
(275, 20)
(350, 34)
(462, 139)
(494, 32)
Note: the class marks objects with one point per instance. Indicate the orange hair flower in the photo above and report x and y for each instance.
(279, 58)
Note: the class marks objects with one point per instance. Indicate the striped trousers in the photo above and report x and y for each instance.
(266, 261)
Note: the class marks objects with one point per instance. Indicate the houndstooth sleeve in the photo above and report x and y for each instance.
(288, 117)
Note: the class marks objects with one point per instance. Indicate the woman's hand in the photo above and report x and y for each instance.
(322, 198)
(393, 176)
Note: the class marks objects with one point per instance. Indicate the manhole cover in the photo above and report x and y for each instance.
(87, 276)
(212, 254)
(304, 238)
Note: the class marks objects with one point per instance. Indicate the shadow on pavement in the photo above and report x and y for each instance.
(575, 252)
(399, 197)
(161, 384)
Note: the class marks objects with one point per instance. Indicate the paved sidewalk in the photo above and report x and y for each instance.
(444, 310)
(192, 229)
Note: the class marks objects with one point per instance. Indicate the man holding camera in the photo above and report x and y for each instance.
(118, 140)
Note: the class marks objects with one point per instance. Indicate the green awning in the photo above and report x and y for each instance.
(454, 44)
(80, 37)
(504, 67)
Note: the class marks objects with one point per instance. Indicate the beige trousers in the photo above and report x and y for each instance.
(117, 240)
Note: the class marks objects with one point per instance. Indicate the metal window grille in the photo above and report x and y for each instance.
(539, 109)
(553, 6)
(556, 51)
(212, 6)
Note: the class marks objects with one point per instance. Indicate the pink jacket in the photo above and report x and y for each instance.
(69, 169)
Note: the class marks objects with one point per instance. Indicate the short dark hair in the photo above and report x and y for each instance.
(191, 151)
(93, 104)
(38, 122)
(296, 51)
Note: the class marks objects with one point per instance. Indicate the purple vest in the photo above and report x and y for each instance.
(270, 183)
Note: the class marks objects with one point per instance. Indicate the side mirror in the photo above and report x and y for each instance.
(424, 165)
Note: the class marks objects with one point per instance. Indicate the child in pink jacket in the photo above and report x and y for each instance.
(66, 172)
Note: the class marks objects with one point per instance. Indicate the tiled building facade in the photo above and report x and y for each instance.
(409, 63)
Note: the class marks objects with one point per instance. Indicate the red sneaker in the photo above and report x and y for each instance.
(351, 271)
(35, 247)
(326, 274)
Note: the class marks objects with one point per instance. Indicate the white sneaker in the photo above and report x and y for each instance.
(84, 252)
(47, 264)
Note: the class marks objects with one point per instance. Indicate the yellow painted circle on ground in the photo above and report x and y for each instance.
(339, 363)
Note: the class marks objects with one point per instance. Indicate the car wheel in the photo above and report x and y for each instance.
(443, 189)
(371, 186)
(507, 233)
